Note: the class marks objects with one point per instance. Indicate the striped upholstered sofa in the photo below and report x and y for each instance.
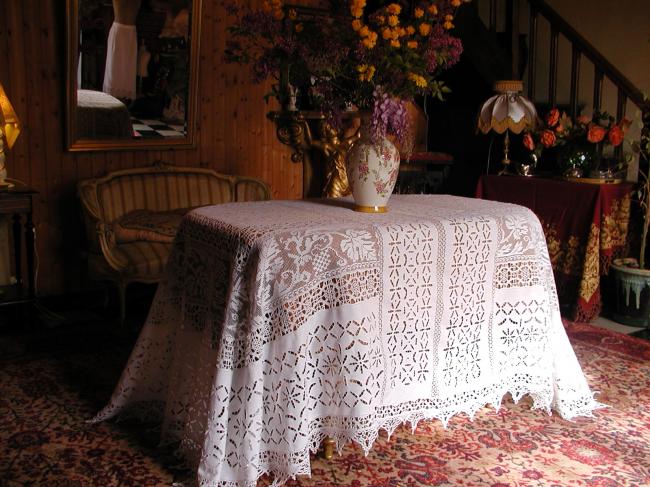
(131, 216)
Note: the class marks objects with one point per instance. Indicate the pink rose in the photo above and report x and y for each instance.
(547, 138)
(625, 124)
(584, 119)
(615, 135)
(596, 133)
(528, 142)
(553, 117)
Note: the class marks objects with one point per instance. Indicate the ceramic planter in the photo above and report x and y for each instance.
(632, 293)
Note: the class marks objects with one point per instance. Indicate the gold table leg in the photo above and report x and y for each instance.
(328, 447)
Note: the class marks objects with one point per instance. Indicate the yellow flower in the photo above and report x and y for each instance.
(386, 33)
(356, 25)
(449, 17)
(266, 6)
(393, 20)
(356, 8)
(278, 14)
(412, 44)
(418, 80)
(410, 30)
(448, 25)
(299, 27)
(380, 19)
(292, 14)
(433, 9)
(424, 29)
(366, 72)
(455, 3)
(394, 9)
(418, 13)
(364, 31)
(395, 43)
(401, 31)
(370, 42)
(276, 3)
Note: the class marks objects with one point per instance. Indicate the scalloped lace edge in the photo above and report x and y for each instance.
(366, 438)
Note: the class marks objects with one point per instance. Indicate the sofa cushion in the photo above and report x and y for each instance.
(149, 226)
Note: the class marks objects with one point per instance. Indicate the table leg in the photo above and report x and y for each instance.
(29, 244)
(18, 247)
(328, 447)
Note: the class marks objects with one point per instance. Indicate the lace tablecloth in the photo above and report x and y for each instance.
(281, 322)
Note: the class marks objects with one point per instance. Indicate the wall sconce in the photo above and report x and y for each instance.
(9, 131)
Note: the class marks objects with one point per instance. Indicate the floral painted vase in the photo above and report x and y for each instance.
(372, 169)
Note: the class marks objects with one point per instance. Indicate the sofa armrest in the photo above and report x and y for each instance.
(107, 244)
(251, 189)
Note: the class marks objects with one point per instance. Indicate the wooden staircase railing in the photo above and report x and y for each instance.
(603, 69)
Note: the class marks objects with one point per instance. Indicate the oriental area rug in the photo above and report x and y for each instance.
(52, 381)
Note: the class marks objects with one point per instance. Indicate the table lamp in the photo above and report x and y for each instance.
(9, 130)
(507, 111)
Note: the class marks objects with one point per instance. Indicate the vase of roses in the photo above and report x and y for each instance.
(353, 58)
(581, 143)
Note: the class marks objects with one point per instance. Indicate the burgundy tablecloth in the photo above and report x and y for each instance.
(585, 227)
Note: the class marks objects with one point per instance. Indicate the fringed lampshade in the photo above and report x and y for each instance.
(507, 111)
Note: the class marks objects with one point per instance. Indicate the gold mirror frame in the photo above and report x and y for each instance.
(75, 144)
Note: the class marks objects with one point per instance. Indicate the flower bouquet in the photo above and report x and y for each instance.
(351, 57)
(582, 143)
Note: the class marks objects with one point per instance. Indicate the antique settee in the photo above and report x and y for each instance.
(131, 216)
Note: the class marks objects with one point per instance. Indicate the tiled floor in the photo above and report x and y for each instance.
(612, 325)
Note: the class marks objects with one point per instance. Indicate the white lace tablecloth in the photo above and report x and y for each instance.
(281, 322)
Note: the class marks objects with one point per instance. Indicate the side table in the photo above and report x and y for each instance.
(17, 202)
(585, 227)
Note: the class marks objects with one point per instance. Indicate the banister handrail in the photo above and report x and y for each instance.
(628, 89)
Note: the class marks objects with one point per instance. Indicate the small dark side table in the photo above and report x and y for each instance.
(17, 202)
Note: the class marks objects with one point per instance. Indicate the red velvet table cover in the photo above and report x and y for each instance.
(585, 227)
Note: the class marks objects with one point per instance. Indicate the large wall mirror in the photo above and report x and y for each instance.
(132, 73)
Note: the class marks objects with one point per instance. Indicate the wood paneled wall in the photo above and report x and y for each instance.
(234, 135)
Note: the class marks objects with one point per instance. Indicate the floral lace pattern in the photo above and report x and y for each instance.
(279, 323)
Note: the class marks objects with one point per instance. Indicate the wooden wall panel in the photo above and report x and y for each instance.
(234, 135)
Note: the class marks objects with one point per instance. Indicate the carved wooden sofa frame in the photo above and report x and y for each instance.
(159, 188)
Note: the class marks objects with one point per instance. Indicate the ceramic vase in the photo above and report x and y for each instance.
(372, 168)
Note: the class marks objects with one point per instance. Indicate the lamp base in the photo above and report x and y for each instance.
(507, 167)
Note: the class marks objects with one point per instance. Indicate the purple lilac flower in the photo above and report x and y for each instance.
(443, 51)
(389, 117)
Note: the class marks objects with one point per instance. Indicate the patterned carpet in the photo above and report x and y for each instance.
(53, 380)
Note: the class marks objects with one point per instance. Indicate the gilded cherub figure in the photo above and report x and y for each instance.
(334, 150)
